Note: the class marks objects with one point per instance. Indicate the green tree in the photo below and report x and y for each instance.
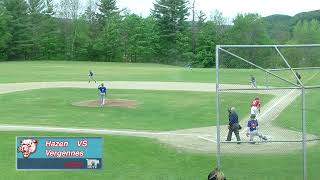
(5, 34)
(82, 39)
(49, 8)
(249, 29)
(69, 13)
(20, 43)
(108, 44)
(305, 16)
(206, 44)
(93, 23)
(132, 35)
(36, 10)
(280, 33)
(170, 16)
(210, 33)
(107, 9)
(278, 27)
(148, 42)
(108, 41)
(51, 40)
(305, 32)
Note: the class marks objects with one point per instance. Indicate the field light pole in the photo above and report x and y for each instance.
(218, 107)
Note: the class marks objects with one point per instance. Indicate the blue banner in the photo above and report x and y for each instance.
(59, 152)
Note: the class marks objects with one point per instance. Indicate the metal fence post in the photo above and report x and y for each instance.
(218, 108)
(304, 145)
(267, 80)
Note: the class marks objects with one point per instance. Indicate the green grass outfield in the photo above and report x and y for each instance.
(36, 71)
(291, 117)
(146, 159)
(41, 71)
(142, 158)
(157, 110)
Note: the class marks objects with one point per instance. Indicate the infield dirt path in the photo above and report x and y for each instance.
(196, 139)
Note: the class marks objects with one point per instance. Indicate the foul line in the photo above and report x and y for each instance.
(124, 132)
(312, 76)
(95, 131)
(273, 106)
(207, 139)
(277, 103)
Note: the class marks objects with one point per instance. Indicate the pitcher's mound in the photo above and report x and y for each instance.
(109, 102)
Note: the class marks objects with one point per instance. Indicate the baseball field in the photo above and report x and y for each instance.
(164, 126)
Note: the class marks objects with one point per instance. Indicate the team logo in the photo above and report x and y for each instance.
(92, 163)
(27, 147)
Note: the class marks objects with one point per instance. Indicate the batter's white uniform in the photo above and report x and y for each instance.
(254, 110)
(255, 106)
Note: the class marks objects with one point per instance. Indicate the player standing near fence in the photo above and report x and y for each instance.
(299, 77)
(91, 77)
(255, 106)
(103, 93)
(253, 127)
(253, 81)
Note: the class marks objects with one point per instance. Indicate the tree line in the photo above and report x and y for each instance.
(99, 31)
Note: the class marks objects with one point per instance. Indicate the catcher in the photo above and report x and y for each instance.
(253, 127)
(253, 81)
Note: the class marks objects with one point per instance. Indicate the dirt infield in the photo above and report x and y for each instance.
(196, 139)
(109, 103)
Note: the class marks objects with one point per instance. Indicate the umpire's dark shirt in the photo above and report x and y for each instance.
(233, 118)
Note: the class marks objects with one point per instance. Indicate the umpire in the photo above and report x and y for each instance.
(233, 124)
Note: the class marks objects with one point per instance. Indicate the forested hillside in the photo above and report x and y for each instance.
(99, 31)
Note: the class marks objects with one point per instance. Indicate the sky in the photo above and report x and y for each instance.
(230, 8)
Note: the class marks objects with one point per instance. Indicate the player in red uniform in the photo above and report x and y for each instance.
(255, 106)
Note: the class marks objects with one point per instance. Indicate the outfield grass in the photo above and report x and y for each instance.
(291, 116)
(308, 77)
(77, 71)
(42, 71)
(157, 110)
(314, 80)
(141, 158)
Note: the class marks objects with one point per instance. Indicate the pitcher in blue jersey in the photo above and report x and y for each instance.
(103, 93)
(253, 127)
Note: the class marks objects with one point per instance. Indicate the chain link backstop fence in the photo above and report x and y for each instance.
(285, 79)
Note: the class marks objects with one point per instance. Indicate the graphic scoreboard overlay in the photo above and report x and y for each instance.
(54, 153)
